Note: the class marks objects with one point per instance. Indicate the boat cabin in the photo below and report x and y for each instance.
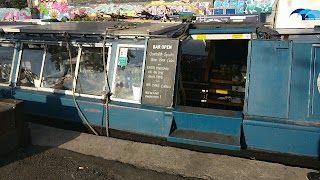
(71, 70)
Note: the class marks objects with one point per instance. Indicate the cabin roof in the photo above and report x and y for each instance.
(298, 31)
(95, 28)
(246, 27)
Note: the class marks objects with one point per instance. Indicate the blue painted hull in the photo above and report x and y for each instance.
(122, 116)
(259, 134)
(284, 138)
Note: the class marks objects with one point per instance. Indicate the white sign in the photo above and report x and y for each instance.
(297, 14)
(123, 52)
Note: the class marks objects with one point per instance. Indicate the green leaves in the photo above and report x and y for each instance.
(19, 4)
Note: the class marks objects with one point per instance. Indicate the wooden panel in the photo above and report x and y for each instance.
(7, 120)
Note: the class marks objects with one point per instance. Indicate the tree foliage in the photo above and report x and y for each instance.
(19, 4)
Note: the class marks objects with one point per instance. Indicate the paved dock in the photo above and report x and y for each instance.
(171, 160)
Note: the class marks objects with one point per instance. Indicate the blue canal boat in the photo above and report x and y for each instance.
(220, 85)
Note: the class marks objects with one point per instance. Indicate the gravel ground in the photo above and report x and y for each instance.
(36, 162)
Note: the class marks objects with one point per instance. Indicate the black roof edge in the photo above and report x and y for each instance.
(206, 25)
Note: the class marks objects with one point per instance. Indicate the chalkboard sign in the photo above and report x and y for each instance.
(160, 71)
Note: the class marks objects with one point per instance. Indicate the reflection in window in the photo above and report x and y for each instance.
(91, 77)
(6, 56)
(30, 65)
(57, 70)
(128, 77)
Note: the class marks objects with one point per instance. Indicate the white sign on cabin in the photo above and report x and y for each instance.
(123, 52)
(297, 14)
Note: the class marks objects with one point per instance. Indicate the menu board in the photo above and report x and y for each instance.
(160, 72)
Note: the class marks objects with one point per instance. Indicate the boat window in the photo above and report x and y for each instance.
(30, 65)
(127, 80)
(58, 68)
(6, 56)
(90, 77)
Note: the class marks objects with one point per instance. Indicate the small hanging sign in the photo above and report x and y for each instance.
(122, 61)
(123, 52)
(123, 58)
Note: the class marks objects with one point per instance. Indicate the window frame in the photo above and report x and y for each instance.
(144, 47)
(74, 84)
(19, 64)
(96, 45)
(15, 46)
(52, 90)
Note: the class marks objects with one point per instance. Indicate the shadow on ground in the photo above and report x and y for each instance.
(17, 144)
(37, 162)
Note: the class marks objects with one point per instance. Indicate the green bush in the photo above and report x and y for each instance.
(19, 4)
(81, 18)
(187, 17)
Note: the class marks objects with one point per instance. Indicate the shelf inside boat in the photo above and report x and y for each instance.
(220, 91)
(196, 83)
(221, 81)
(226, 103)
